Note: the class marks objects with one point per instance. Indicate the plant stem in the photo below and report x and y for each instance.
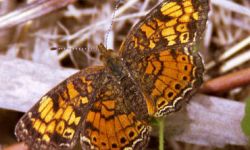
(161, 134)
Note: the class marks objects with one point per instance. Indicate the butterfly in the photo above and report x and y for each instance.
(109, 106)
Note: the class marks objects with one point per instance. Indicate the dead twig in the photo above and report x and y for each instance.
(227, 82)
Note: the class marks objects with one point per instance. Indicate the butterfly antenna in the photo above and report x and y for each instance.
(112, 21)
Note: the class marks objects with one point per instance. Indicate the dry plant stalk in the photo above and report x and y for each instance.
(227, 82)
(31, 11)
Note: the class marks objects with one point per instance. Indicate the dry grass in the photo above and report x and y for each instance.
(86, 24)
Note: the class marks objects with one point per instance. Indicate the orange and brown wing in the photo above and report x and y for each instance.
(173, 23)
(169, 77)
(159, 52)
(54, 122)
(109, 124)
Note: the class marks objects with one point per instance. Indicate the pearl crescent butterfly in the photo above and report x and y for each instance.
(109, 107)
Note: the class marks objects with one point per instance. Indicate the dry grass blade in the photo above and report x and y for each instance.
(227, 82)
(31, 11)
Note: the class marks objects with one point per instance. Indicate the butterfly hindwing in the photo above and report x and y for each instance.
(109, 124)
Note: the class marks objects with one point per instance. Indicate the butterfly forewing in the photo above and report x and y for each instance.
(54, 122)
(159, 53)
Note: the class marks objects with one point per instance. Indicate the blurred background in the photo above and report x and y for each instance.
(41, 32)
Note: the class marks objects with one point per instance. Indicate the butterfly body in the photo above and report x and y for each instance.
(109, 106)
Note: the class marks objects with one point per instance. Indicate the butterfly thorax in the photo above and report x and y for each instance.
(113, 62)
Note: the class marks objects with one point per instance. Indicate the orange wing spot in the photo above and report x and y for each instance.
(72, 92)
(185, 67)
(185, 18)
(166, 58)
(168, 31)
(171, 39)
(172, 10)
(172, 65)
(195, 15)
(151, 44)
(37, 124)
(161, 102)
(113, 143)
(60, 127)
(95, 137)
(139, 126)
(46, 138)
(58, 113)
(124, 120)
(165, 53)
(49, 116)
(176, 14)
(44, 102)
(103, 143)
(74, 119)
(107, 113)
(165, 79)
(157, 66)
(184, 77)
(171, 22)
(182, 27)
(184, 37)
(187, 3)
(183, 59)
(167, 5)
(148, 30)
(160, 85)
(131, 133)
(84, 100)
(169, 94)
(96, 122)
(170, 73)
(177, 86)
(42, 128)
(189, 9)
(122, 138)
(110, 104)
(68, 133)
(90, 116)
(67, 113)
(51, 127)
(46, 109)
(150, 68)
